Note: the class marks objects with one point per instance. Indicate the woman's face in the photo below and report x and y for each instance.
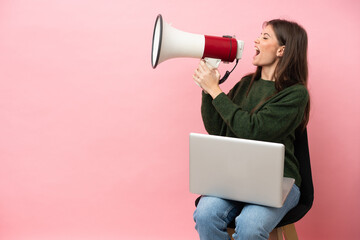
(267, 48)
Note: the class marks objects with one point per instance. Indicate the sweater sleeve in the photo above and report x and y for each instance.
(211, 118)
(272, 121)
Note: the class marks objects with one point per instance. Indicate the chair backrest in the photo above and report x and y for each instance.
(307, 189)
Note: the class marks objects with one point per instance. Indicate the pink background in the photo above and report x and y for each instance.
(94, 142)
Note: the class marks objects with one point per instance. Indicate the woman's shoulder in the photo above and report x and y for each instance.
(244, 81)
(240, 87)
(299, 89)
(247, 78)
(294, 93)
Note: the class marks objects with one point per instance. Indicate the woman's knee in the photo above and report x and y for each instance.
(204, 211)
(211, 210)
(248, 229)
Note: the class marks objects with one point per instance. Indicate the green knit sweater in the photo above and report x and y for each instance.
(273, 120)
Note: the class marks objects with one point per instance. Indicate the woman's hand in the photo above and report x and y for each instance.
(207, 79)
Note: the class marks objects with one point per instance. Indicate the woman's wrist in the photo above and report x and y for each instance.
(215, 92)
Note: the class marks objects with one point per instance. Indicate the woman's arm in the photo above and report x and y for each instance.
(208, 79)
(211, 118)
(270, 122)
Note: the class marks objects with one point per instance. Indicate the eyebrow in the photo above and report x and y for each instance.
(267, 34)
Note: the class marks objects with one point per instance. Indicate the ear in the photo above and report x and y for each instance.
(280, 51)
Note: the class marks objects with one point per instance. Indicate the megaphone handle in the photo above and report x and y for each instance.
(212, 62)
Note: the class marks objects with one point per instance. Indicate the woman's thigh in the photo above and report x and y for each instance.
(217, 209)
(262, 220)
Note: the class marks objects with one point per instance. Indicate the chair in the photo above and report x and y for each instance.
(286, 227)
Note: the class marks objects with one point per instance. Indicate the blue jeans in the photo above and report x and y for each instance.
(253, 222)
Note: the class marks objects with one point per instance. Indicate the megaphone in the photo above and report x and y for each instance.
(169, 42)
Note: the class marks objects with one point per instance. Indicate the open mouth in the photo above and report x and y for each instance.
(257, 51)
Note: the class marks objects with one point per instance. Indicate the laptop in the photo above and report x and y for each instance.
(238, 169)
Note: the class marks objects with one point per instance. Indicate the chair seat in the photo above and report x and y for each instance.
(288, 231)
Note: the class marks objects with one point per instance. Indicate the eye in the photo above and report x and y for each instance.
(265, 36)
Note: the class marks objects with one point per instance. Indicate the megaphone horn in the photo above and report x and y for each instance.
(169, 42)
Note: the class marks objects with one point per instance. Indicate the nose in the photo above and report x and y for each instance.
(256, 40)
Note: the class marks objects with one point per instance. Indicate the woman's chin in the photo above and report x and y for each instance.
(255, 63)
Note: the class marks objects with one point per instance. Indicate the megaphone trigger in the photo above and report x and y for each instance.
(212, 62)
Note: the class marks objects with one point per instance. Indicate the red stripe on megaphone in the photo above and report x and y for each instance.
(223, 48)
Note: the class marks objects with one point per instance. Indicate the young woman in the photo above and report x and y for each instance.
(268, 105)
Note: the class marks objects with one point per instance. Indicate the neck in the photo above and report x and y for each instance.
(268, 72)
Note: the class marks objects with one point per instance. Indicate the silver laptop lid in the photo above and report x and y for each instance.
(237, 169)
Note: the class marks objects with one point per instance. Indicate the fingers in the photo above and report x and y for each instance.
(203, 66)
(204, 76)
(199, 73)
(202, 69)
(196, 78)
(217, 74)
